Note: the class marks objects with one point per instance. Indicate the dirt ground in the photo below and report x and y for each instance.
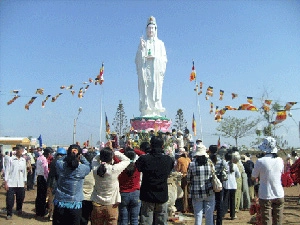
(291, 212)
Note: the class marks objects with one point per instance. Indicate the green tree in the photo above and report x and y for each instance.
(180, 122)
(120, 121)
(232, 127)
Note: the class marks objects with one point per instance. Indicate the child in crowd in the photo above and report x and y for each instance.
(255, 208)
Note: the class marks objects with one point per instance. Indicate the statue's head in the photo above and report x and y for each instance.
(151, 27)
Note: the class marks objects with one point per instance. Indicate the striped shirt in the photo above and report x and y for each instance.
(200, 180)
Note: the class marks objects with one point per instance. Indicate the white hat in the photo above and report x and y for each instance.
(200, 150)
(268, 145)
(179, 132)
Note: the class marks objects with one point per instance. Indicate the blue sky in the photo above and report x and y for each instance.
(245, 47)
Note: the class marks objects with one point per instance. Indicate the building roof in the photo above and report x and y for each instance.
(14, 141)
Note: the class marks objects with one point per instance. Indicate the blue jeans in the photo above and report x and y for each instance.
(207, 205)
(129, 208)
(154, 212)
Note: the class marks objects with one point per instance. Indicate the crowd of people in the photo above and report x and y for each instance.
(129, 185)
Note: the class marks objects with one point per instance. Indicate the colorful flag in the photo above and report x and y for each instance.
(55, 97)
(201, 86)
(15, 91)
(80, 92)
(221, 95)
(250, 100)
(107, 127)
(86, 87)
(228, 107)
(211, 107)
(40, 91)
(40, 141)
(194, 125)
(30, 102)
(219, 143)
(289, 105)
(234, 95)
(196, 88)
(219, 113)
(266, 106)
(43, 102)
(247, 106)
(209, 92)
(13, 99)
(281, 116)
(100, 78)
(70, 87)
(193, 73)
(101, 74)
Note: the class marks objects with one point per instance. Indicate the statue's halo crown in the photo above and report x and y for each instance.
(151, 20)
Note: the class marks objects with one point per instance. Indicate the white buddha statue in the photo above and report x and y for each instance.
(151, 60)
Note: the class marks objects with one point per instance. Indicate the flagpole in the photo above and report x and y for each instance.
(101, 101)
(198, 105)
(200, 122)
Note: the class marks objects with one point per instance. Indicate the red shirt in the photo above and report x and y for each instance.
(130, 184)
(127, 183)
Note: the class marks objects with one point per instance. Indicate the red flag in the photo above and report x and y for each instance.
(219, 143)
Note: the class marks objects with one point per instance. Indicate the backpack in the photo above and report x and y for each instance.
(223, 174)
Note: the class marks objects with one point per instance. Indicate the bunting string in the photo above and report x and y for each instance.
(99, 79)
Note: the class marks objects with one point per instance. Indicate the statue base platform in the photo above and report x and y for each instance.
(156, 123)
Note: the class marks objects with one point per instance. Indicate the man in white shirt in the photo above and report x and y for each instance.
(271, 193)
(15, 178)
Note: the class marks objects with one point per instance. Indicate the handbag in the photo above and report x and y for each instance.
(216, 183)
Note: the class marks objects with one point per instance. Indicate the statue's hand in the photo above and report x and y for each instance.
(143, 43)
